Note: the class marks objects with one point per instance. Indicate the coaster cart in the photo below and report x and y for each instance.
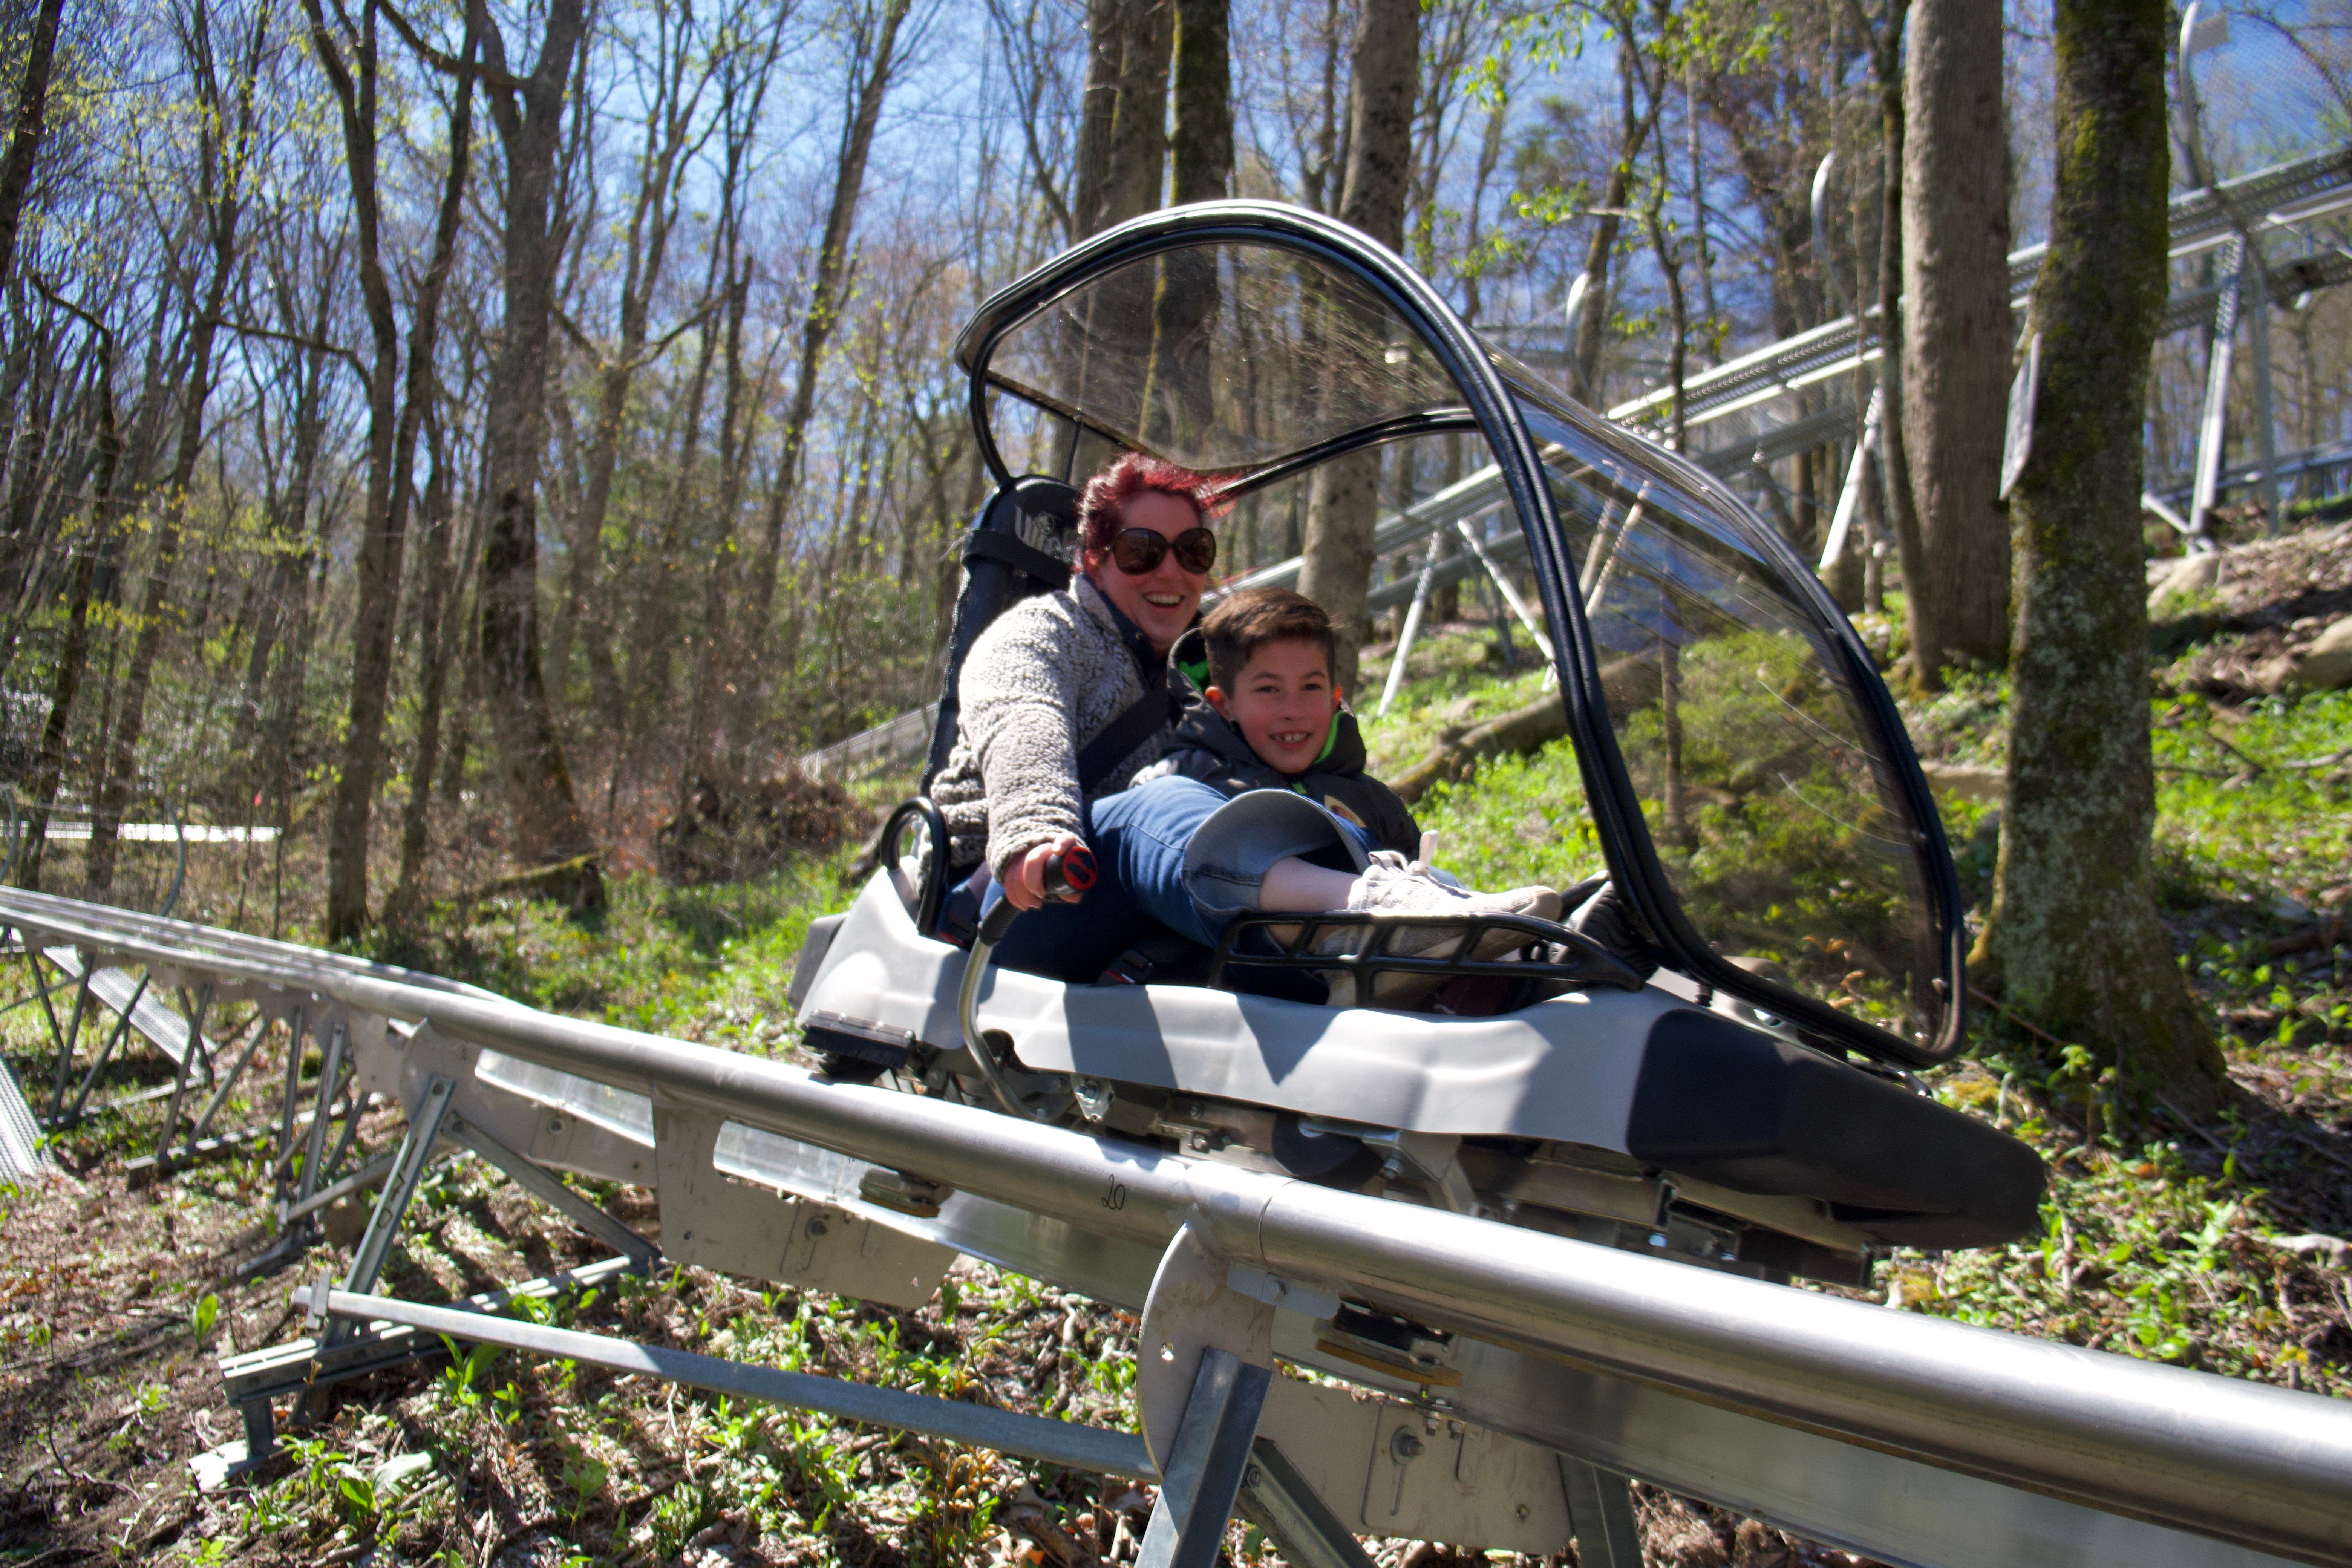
(1713, 1060)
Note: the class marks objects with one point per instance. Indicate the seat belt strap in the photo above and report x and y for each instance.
(1141, 721)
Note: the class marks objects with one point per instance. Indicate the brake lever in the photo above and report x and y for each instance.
(1069, 874)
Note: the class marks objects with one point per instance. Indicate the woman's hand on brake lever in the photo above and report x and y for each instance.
(1025, 879)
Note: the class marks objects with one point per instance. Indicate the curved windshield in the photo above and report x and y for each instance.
(1782, 826)
(1225, 357)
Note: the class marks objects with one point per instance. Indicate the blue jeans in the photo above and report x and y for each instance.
(1176, 853)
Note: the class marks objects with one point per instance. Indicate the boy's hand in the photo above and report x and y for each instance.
(1025, 879)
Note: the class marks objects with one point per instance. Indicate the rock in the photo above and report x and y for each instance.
(2322, 665)
(1968, 781)
(2188, 576)
(2327, 662)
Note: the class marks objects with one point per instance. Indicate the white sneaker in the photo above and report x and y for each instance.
(1392, 885)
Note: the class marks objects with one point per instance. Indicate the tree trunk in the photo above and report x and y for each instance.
(1592, 316)
(1957, 336)
(1185, 310)
(1122, 153)
(550, 836)
(1203, 146)
(73, 653)
(1343, 501)
(433, 622)
(2073, 940)
(1894, 452)
(32, 121)
(392, 426)
(670, 123)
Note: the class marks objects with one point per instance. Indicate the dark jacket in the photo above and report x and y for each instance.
(1206, 747)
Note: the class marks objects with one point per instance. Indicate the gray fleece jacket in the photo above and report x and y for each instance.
(1047, 677)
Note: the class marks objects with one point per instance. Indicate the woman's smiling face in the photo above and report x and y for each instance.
(1160, 601)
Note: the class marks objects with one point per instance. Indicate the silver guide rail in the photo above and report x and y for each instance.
(1915, 1439)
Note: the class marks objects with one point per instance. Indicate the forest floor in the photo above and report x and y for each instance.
(2212, 1244)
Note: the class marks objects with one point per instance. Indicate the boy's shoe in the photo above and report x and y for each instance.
(1392, 885)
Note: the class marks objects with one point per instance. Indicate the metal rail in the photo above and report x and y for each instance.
(2265, 200)
(1914, 1438)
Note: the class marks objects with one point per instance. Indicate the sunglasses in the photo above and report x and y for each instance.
(1141, 550)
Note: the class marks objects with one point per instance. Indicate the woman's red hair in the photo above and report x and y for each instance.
(1102, 505)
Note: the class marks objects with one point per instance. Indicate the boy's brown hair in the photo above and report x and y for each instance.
(1246, 621)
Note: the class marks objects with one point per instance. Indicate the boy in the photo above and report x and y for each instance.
(1272, 719)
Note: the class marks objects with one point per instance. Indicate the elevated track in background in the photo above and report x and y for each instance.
(1804, 393)
(1911, 1439)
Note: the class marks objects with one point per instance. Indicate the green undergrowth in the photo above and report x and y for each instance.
(706, 963)
(1455, 679)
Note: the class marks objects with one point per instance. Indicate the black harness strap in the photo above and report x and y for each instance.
(995, 544)
(1155, 708)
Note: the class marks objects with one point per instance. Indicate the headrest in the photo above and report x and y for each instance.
(1037, 495)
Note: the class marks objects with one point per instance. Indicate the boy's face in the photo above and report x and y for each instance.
(1282, 702)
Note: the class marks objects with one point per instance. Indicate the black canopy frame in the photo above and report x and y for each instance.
(1491, 386)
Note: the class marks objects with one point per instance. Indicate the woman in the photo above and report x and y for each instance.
(1053, 676)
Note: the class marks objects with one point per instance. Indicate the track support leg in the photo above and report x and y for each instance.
(194, 1012)
(1278, 1499)
(384, 1221)
(546, 1186)
(1207, 1465)
(400, 1190)
(1601, 1508)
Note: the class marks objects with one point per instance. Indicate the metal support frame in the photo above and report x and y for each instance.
(546, 1186)
(1849, 498)
(1903, 1438)
(1600, 1504)
(1207, 1463)
(407, 1170)
(2258, 338)
(1071, 1444)
(196, 1016)
(1276, 1499)
(330, 1075)
(1411, 627)
(61, 1117)
(65, 1043)
(2212, 424)
(251, 1379)
(1510, 595)
(297, 1024)
(366, 1177)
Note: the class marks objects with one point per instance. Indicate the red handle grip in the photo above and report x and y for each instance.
(1070, 873)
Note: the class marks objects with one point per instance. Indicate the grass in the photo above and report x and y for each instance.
(703, 963)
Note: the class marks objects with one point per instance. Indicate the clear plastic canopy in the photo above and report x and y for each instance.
(1755, 748)
(1775, 807)
(1222, 357)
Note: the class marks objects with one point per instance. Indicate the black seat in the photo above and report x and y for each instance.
(1023, 545)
